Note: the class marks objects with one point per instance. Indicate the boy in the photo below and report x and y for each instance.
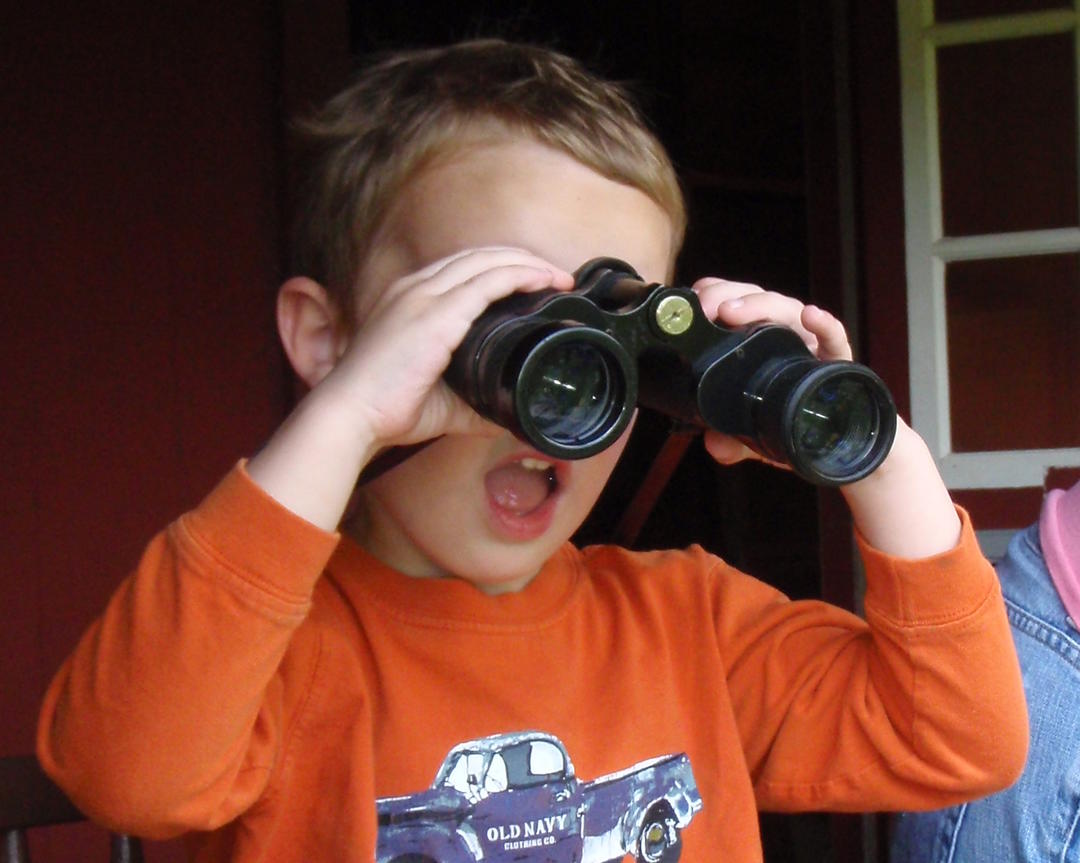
(279, 693)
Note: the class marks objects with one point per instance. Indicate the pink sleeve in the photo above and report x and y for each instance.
(1059, 536)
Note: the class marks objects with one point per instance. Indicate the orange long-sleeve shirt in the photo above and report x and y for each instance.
(259, 683)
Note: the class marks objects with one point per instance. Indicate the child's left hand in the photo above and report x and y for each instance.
(903, 508)
(733, 304)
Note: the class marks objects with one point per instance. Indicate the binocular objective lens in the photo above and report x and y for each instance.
(836, 425)
(570, 395)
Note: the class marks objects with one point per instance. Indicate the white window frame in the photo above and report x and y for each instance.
(928, 250)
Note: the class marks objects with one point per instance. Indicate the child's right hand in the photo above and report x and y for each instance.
(390, 377)
(382, 386)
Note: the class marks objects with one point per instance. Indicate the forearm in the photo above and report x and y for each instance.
(943, 636)
(311, 464)
(922, 709)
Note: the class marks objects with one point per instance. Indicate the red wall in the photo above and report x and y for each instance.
(139, 252)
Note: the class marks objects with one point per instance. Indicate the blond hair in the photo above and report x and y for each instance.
(358, 152)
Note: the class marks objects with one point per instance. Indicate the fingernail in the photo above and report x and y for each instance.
(733, 304)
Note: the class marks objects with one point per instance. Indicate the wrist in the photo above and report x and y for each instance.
(909, 452)
(903, 508)
(311, 463)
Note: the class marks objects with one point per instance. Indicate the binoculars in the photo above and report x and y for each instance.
(565, 370)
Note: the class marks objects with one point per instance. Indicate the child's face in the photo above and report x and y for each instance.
(444, 511)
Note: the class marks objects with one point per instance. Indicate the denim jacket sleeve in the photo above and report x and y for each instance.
(1038, 819)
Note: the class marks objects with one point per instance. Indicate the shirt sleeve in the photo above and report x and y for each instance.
(919, 705)
(168, 715)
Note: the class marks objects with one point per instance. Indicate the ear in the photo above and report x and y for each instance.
(310, 328)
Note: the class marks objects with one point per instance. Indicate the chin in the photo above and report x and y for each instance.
(506, 572)
(497, 587)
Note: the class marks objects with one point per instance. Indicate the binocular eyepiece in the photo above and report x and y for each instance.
(565, 370)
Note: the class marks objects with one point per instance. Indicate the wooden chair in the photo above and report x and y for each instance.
(29, 799)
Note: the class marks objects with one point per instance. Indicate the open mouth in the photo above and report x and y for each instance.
(522, 486)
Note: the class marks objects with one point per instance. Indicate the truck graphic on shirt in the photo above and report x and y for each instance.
(515, 797)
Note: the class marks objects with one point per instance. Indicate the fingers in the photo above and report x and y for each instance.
(434, 306)
(712, 293)
(749, 307)
(467, 298)
(832, 337)
(456, 267)
(443, 307)
(465, 266)
(735, 304)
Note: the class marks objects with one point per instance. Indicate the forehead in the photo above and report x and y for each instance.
(519, 193)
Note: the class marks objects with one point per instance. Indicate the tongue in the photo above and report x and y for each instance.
(517, 489)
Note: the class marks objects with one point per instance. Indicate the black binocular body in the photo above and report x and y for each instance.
(565, 370)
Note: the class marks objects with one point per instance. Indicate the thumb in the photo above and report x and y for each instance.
(727, 450)
(462, 419)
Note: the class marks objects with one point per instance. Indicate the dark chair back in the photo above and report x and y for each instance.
(29, 799)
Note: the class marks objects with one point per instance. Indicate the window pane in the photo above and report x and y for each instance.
(1014, 353)
(545, 758)
(956, 10)
(1008, 135)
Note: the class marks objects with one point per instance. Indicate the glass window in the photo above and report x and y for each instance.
(1007, 114)
(545, 759)
(532, 762)
(495, 780)
(466, 772)
(1014, 353)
